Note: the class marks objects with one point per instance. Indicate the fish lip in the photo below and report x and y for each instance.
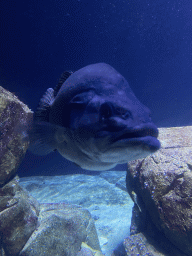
(137, 132)
(144, 135)
(149, 143)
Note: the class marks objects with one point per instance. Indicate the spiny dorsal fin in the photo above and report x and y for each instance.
(42, 112)
(62, 79)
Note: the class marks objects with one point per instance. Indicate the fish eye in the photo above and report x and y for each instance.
(82, 99)
(105, 111)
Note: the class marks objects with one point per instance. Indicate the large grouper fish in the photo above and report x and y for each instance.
(93, 119)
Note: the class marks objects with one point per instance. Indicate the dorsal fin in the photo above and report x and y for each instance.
(62, 79)
(42, 112)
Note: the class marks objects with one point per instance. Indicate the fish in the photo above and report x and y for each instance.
(93, 119)
(135, 200)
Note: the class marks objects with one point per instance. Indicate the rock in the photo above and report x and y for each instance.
(88, 251)
(18, 217)
(163, 185)
(63, 228)
(139, 245)
(146, 239)
(13, 115)
(142, 245)
(109, 206)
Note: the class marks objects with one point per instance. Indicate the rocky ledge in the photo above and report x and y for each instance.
(161, 187)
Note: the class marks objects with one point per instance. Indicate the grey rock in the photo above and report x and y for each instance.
(18, 217)
(13, 116)
(142, 245)
(85, 252)
(109, 206)
(163, 185)
(88, 251)
(63, 228)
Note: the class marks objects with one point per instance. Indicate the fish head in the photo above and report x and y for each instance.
(109, 124)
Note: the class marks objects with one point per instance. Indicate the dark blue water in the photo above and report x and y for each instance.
(147, 41)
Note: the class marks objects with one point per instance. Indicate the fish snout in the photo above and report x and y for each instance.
(112, 118)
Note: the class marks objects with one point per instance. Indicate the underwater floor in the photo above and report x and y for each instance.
(103, 195)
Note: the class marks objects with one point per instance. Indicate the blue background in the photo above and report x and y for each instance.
(147, 41)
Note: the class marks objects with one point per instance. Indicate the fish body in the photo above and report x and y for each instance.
(94, 120)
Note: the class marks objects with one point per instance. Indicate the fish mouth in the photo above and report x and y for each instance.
(145, 136)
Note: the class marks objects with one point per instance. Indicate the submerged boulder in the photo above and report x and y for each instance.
(14, 115)
(62, 230)
(161, 187)
(18, 217)
(142, 245)
(28, 228)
